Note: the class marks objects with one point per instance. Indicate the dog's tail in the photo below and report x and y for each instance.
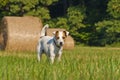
(43, 31)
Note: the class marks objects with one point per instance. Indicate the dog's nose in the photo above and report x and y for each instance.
(61, 43)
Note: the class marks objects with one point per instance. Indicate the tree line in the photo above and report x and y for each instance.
(90, 22)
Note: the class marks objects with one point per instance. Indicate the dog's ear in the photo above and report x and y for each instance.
(55, 32)
(66, 33)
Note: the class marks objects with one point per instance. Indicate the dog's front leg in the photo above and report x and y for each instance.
(59, 55)
(52, 53)
(52, 57)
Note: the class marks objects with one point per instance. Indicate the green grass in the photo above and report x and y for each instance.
(82, 63)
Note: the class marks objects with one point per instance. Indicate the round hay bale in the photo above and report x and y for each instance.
(69, 41)
(20, 33)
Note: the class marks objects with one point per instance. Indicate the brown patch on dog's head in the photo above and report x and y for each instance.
(66, 33)
(56, 33)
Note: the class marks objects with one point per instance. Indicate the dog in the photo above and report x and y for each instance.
(51, 46)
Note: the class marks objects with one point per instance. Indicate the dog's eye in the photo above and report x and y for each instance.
(57, 37)
(63, 37)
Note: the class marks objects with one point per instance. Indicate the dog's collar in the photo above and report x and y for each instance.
(56, 44)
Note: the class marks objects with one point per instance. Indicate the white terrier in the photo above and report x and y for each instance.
(52, 46)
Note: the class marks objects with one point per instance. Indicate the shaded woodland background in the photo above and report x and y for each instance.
(90, 22)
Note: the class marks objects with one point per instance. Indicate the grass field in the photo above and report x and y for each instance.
(82, 63)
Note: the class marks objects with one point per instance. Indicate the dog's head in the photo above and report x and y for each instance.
(60, 37)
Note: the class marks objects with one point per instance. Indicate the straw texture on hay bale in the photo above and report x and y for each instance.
(69, 42)
(20, 33)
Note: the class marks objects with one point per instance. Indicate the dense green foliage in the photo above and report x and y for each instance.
(25, 7)
(84, 63)
(109, 30)
(92, 22)
(114, 8)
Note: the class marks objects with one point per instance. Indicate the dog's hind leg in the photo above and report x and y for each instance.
(39, 52)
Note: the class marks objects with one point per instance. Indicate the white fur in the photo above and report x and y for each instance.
(44, 30)
(50, 46)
